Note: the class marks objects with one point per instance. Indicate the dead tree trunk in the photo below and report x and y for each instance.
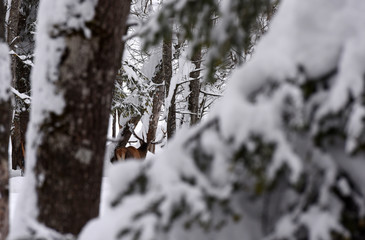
(5, 118)
(194, 87)
(68, 158)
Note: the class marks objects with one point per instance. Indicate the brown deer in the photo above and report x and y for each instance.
(123, 153)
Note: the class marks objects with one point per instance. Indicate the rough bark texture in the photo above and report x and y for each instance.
(21, 77)
(13, 22)
(5, 119)
(18, 139)
(70, 156)
(167, 75)
(194, 87)
(16, 136)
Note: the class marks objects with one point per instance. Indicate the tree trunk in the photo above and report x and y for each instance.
(167, 75)
(158, 99)
(5, 118)
(21, 77)
(17, 156)
(194, 87)
(124, 133)
(114, 116)
(13, 22)
(171, 117)
(68, 158)
(12, 32)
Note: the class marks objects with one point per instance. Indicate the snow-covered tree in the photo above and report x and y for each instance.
(219, 25)
(280, 157)
(5, 120)
(78, 51)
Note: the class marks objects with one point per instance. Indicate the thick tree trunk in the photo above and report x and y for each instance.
(69, 156)
(5, 118)
(194, 87)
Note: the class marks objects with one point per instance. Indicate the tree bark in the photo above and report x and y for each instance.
(16, 136)
(114, 116)
(70, 153)
(5, 118)
(21, 77)
(158, 99)
(194, 87)
(167, 75)
(13, 22)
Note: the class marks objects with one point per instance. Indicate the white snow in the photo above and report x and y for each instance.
(27, 99)
(344, 187)
(84, 155)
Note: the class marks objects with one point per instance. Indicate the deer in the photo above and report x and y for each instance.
(123, 153)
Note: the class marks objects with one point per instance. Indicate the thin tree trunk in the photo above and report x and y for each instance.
(167, 75)
(171, 117)
(68, 158)
(5, 118)
(114, 116)
(158, 99)
(124, 133)
(194, 87)
(12, 32)
(13, 21)
(22, 29)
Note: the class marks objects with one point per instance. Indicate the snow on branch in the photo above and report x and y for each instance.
(275, 151)
(22, 96)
